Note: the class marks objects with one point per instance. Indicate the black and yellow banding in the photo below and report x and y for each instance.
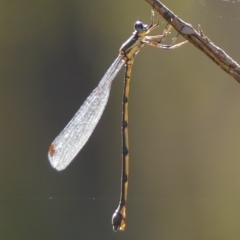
(119, 216)
(128, 51)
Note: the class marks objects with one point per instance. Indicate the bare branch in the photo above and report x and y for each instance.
(199, 40)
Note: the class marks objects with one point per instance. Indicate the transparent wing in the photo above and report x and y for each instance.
(74, 136)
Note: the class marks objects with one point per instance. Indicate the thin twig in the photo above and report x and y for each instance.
(199, 40)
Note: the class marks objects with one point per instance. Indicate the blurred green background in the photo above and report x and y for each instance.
(184, 124)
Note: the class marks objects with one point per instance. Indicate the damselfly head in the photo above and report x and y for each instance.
(140, 27)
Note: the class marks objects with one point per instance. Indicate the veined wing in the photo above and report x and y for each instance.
(74, 136)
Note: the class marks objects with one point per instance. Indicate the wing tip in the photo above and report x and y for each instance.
(53, 160)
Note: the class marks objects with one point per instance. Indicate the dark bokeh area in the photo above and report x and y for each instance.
(184, 124)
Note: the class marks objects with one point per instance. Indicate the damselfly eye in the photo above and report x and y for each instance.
(139, 26)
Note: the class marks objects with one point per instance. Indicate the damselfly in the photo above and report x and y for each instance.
(73, 137)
